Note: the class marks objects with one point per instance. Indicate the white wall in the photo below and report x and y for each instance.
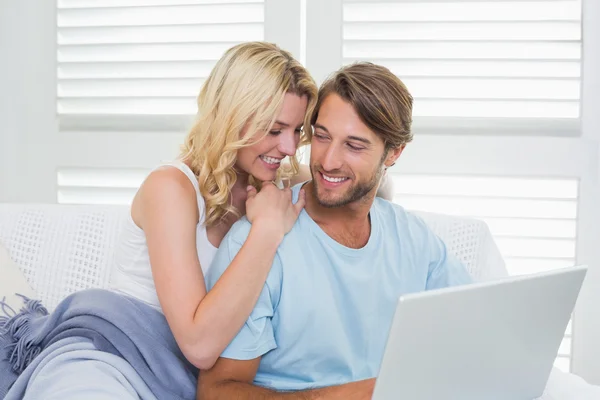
(27, 82)
(8, 88)
(586, 345)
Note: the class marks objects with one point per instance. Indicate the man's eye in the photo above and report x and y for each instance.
(355, 147)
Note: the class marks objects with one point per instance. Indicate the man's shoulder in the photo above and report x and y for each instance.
(239, 231)
(405, 225)
(391, 211)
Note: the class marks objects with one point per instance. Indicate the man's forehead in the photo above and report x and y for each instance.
(338, 117)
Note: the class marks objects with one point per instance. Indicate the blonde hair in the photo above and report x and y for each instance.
(244, 92)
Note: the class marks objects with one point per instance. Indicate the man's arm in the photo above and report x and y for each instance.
(232, 379)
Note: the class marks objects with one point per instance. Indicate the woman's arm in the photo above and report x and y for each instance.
(202, 324)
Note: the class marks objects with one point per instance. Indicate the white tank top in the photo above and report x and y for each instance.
(132, 274)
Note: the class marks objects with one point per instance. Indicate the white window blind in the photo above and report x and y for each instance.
(533, 221)
(474, 59)
(143, 57)
(99, 185)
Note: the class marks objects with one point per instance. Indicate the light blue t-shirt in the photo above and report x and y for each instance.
(324, 314)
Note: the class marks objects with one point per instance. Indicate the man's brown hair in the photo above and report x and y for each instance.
(379, 97)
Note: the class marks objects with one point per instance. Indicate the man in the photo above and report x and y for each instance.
(320, 325)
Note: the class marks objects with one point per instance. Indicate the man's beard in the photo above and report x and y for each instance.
(355, 193)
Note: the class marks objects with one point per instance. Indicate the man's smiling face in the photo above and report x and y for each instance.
(347, 157)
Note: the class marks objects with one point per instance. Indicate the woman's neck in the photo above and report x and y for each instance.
(239, 193)
(241, 181)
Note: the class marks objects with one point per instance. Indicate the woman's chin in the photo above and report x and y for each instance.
(265, 176)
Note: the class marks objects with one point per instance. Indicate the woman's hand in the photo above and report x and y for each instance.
(273, 207)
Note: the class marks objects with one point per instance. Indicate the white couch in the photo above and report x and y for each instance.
(64, 248)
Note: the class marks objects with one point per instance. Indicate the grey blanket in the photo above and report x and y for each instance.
(108, 322)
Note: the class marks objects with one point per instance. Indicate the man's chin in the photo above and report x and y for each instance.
(330, 200)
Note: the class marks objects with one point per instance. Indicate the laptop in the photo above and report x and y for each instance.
(484, 341)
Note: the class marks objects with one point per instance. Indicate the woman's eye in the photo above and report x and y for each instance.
(275, 133)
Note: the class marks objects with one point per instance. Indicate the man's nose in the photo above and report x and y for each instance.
(331, 159)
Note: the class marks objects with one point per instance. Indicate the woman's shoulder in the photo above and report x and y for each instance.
(169, 184)
(166, 190)
(169, 177)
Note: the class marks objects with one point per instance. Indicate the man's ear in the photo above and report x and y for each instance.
(393, 155)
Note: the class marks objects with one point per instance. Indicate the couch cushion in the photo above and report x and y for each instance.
(13, 281)
(61, 248)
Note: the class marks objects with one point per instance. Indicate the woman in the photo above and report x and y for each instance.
(251, 113)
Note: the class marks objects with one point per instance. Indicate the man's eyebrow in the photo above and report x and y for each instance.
(360, 139)
(357, 138)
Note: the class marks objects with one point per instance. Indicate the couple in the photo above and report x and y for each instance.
(317, 268)
(279, 292)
